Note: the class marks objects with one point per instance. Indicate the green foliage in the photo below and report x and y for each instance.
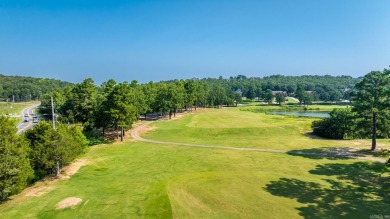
(371, 102)
(24, 88)
(121, 103)
(15, 170)
(80, 104)
(268, 96)
(340, 125)
(280, 98)
(49, 147)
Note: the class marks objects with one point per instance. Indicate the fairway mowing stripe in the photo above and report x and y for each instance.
(134, 134)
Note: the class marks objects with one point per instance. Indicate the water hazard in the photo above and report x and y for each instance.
(302, 114)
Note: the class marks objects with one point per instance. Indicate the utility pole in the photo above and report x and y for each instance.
(54, 127)
(52, 113)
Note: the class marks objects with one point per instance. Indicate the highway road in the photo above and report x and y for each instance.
(29, 111)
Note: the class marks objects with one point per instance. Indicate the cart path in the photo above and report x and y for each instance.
(135, 135)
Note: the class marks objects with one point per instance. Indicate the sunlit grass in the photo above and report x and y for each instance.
(146, 180)
(232, 127)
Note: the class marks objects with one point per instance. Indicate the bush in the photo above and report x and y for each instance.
(340, 125)
(50, 147)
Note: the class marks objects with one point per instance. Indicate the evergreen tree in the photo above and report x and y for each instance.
(371, 100)
(15, 169)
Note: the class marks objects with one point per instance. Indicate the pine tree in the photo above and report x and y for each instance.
(15, 169)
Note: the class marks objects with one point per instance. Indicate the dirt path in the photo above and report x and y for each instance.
(342, 153)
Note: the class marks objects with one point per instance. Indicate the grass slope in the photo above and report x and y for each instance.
(145, 180)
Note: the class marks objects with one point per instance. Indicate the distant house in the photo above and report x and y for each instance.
(238, 91)
(280, 92)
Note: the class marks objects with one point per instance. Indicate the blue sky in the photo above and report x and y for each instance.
(162, 40)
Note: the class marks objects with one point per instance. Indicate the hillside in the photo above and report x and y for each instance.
(25, 88)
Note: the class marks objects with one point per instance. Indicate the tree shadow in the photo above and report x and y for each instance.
(330, 153)
(362, 190)
(377, 153)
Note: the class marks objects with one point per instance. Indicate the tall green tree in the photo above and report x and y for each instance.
(300, 94)
(371, 101)
(191, 88)
(280, 98)
(81, 102)
(268, 96)
(149, 94)
(102, 113)
(15, 169)
(121, 102)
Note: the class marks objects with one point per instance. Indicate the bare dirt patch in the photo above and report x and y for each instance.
(38, 190)
(146, 129)
(46, 185)
(72, 168)
(68, 202)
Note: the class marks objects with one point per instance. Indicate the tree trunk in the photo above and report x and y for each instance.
(121, 133)
(170, 114)
(58, 170)
(373, 146)
(174, 113)
(104, 131)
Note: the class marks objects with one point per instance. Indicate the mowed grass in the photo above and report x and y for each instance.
(235, 128)
(146, 180)
(14, 108)
(143, 180)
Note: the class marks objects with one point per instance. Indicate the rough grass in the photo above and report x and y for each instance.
(14, 108)
(145, 180)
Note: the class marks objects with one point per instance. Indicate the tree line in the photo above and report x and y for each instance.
(315, 87)
(22, 88)
(324, 88)
(118, 105)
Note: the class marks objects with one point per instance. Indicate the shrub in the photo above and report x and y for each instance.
(340, 125)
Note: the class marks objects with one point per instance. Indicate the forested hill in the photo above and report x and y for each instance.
(322, 87)
(288, 83)
(25, 88)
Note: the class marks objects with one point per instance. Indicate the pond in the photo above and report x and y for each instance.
(302, 114)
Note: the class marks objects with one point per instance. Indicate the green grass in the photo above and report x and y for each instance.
(294, 107)
(235, 128)
(145, 180)
(14, 108)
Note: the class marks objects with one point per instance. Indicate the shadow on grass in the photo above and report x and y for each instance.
(327, 152)
(378, 153)
(362, 190)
